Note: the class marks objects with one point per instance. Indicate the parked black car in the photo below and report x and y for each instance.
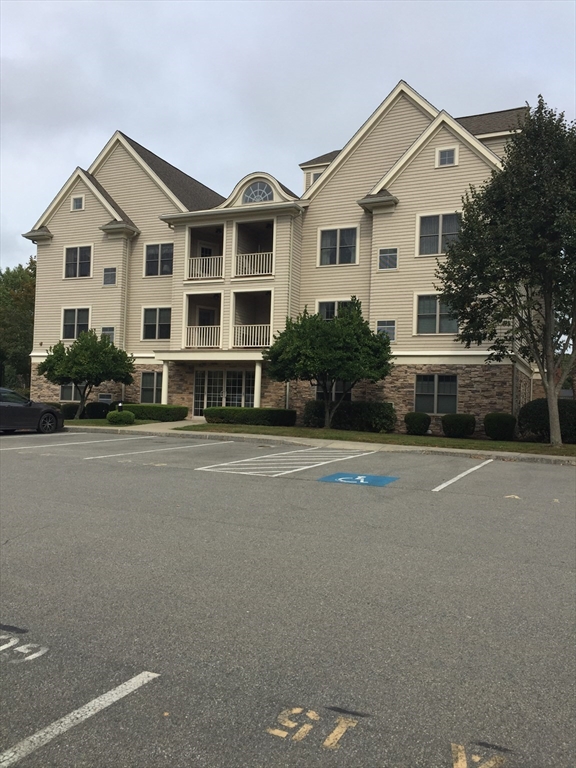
(16, 412)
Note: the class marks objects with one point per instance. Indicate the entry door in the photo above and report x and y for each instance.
(234, 388)
(214, 389)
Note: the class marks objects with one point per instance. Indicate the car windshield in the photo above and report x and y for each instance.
(7, 396)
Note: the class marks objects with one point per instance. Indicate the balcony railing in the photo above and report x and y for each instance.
(251, 335)
(253, 264)
(204, 267)
(203, 336)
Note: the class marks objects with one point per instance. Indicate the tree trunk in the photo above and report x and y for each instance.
(553, 414)
(327, 411)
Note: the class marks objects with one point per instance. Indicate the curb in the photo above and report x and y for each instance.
(529, 458)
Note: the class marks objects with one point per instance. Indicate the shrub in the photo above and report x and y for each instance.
(120, 417)
(458, 424)
(359, 416)
(157, 412)
(499, 426)
(95, 410)
(69, 410)
(534, 421)
(271, 417)
(417, 423)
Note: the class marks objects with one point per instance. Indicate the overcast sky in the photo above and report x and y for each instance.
(220, 89)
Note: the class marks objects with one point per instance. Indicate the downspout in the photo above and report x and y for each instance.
(127, 249)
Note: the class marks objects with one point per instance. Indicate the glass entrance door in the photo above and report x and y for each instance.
(220, 388)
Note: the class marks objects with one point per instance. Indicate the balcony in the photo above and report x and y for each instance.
(205, 267)
(254, 264)
(203, 336)
(249, 336)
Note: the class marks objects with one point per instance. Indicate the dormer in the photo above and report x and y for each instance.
(314, 168)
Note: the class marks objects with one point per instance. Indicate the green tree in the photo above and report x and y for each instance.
(87, 362)
(17, 292)
(510, 278)
(323, 352)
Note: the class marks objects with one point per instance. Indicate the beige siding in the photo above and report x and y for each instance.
(336, 205)
(54, 292)
(421, 189)
(496, 144)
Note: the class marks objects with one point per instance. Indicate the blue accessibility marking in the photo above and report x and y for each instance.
(349, 478)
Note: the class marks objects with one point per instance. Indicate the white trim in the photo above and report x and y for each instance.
(105, 330)
(185, 311)
(417, 294)
(203, 355)
(442, 120)
(331, 301)
(77, 197)
(232, 318)
(62, 309)
(496, 134)
(234, 199)
(157, 308)
(159, 244)
(109, 285)
(419, 216)
(338, 227)
(454, 148)
(395, 339)
(82, 245)
(388, 248)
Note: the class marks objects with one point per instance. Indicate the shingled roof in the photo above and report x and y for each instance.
(109, 199)
(494, 122)
(322, 159)
(191, 193)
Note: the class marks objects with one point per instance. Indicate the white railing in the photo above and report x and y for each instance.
(203, 336)
(250, 264)
(204, 267)
(251, 335)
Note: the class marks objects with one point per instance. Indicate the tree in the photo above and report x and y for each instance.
(86, 363)
(326, 351)
(17, 292)
(510, 277)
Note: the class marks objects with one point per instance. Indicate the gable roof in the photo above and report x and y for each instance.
(108, 197)
(504, 121)
(193, 194)
(322, 159)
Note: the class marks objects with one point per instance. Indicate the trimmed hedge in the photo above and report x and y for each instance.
(270, 417)
(69, 410)
(458, 424)
(120, 417)
(358, 416)
(95, 410)
(157, 412)
(417, 423)
(534, 422)
(500, 426)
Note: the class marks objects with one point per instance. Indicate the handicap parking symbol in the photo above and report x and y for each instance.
(350, 478)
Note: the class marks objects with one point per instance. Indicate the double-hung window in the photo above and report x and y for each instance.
(338, 246)
(435, 393)
(78, 261)
(157, 323)
(329, 309)
(69, 393)
(434, 316)
(388, 327)
(159, 259)
(74, 322)
(151, 387)
(436, 232)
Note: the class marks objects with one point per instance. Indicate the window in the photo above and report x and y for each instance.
(109, 276)
(108, 331)
(338, 246)
(75, 321)
(437, 231)
(77, 203)
(446, 156)
(388, 327)
(316, 176)
(258, 192)
(157, 323)
(159, 258)
(78, 261)
(151, 387)
(336, 393)
(388, 258)
(436, 394)
(434, 316)
(329, 309)
(69, 393)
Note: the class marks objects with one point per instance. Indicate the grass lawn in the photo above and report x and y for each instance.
(105, 423)
(422, 441)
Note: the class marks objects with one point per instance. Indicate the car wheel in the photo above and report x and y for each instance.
(47, 423)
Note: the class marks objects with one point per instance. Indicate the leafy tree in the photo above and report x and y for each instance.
(511, 276)
(87, 362)
(323, 352)
(17, 292)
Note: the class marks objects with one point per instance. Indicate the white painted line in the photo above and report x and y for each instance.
(330, 461)
(29, 745)
(258, 458)
(277, 464)
(206, 444)
(462, 474)
(83, 442)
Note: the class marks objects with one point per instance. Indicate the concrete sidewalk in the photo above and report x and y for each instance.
(170, 429)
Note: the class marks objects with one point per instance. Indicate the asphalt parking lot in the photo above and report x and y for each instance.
(170, 602)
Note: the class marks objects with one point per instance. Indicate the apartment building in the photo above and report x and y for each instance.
(195, 285)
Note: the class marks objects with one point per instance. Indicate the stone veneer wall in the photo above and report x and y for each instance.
(41, 389)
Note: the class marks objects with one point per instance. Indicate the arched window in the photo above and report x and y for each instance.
(258, 192)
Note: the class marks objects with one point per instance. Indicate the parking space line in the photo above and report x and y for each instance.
(32, 743)
(159, 450)
(277, 464)
(82, 442)
(461, 475)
